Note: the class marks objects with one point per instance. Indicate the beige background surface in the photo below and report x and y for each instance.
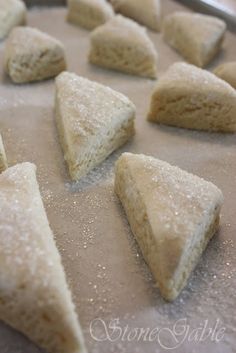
(106, 272)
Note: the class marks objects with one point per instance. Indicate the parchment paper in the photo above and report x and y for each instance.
(105, 269)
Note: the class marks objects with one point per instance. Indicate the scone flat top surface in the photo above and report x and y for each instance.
(189, 97)
(22, 229)
(89, 106)
(33, 288)
(172, 214)
(197, 37)
(27, 40)
(203, 26)
(176, 200)
(183, 76)
(122, 28)
(176, 204)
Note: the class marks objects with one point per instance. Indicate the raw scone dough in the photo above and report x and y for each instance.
(149, 16)
(173, 215)
(34, 296)
(89, 13)
(193, 98)
(197, 37)
(12, 13)
(227, 72)
(93, 121)
(31, 55)
(3, 157)
(123, 45)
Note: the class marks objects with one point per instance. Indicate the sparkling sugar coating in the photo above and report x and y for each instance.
(193, 98)
(21, 227)
(34, 295)
(186, 75)
(172, 214)
(175, 199)
(88, 108)
(25, 40)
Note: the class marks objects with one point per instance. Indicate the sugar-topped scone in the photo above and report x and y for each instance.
(12, 13)
(193, 98)
(173, 215)
(89, 13)
(123, 45)
(34, 296)
(197, 37)
(227, 72)
(150, 16)
(31, 55)
(3, 157)
(93, 121)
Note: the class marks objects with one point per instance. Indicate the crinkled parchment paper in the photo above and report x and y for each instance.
(112, 287)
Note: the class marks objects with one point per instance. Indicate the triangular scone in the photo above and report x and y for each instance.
(173, 215)
(193, 98)
(150, 16)
(93, 121)
(34, 296)
(197, 37)
(31, 55)
(123, 45)
(3, 157)
(227, 72)
(89, 13)
(12, 13)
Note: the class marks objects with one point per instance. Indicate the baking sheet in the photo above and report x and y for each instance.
(105, 269)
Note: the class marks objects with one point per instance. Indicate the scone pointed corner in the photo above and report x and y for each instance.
(34, 296)
(123, 45)
(93, 121)
(192, 98)
(172, 214)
